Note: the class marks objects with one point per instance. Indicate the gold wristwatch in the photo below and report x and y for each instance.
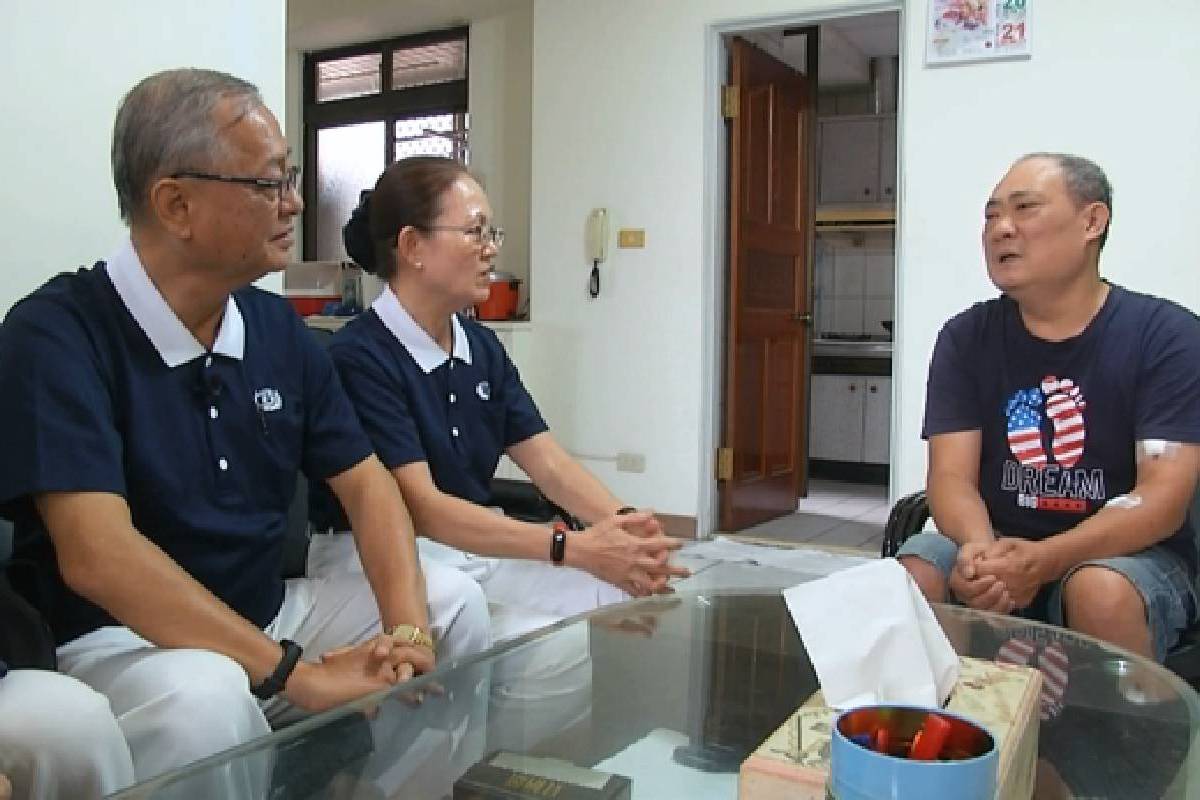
(411, 634)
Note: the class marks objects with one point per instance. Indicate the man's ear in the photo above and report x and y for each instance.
(1096, 217)
(169, 202)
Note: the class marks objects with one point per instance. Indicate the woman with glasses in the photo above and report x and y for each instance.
(441, 401)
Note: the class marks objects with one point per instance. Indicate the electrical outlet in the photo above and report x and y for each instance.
(631, 462)
(631, 237)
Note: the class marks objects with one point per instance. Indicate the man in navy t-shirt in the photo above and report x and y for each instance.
(1063, 419)
(157, 414)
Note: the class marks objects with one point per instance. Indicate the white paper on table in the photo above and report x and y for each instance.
(873, 638)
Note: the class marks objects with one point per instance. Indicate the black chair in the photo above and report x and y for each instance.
(907, 518)
(911, 512)
(25, 638)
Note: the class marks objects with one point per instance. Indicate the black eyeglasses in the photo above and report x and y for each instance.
(480, 234)
(281, 186)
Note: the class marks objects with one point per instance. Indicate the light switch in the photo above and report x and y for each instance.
(631, 237)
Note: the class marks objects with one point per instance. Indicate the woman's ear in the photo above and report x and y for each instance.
(410, 246)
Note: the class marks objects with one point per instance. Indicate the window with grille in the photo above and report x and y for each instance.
(369, 105)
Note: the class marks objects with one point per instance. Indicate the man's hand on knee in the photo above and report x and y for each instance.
(1022, 566)
(985, 592)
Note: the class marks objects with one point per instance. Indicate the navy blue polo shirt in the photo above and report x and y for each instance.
(1060, 420)
(458, 413)
(105, 390)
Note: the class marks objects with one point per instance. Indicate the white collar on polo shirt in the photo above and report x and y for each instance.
(175, 343)
(424, 350)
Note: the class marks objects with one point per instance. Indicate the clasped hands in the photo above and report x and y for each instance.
(630, 551)
(348, 673)
(1002, 575)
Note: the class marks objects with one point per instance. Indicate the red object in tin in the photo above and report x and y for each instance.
(928, 743)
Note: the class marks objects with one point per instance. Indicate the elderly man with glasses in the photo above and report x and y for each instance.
(158, 411)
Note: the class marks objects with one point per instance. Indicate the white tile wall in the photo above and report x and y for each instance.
(854, 280)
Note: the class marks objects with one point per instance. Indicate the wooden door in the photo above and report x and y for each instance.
(763, 460)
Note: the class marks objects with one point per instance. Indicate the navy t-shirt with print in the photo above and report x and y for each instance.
(1060, 420)
(459, 418)
(205, 453)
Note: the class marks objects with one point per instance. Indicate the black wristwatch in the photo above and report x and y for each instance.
(273, 684)
(558, 544)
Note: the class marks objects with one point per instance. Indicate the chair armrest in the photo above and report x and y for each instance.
(908, 517)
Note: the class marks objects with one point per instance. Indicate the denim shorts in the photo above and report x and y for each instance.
(1160, 576)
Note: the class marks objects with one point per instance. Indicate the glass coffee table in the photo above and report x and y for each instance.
(674, 692)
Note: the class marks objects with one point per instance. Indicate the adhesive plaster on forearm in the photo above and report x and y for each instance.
(1124, 501)
(1156, 449)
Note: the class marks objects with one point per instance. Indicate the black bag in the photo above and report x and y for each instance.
(25, 639)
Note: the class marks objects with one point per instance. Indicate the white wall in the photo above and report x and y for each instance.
(498, 77)
(620, 99)
(67, 65)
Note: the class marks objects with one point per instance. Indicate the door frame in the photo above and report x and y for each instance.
(714, 246)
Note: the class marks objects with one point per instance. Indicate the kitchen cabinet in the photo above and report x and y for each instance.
(887, 159)
(850, 418)
(877, 419)
(856, 159)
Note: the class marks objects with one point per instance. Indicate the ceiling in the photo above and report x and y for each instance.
(847, 45)
(872, 34)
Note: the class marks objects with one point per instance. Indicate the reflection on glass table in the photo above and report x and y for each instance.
(674, 692)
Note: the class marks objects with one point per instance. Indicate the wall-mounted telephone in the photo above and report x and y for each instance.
(596, 245)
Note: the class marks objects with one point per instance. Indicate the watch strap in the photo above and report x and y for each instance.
(273, 684)
(558, 544)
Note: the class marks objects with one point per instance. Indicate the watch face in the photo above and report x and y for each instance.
(558, 544)
(411, 634)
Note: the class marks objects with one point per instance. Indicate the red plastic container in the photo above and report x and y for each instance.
(309, 303)
(502, 298)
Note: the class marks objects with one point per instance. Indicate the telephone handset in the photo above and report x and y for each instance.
(596, 245)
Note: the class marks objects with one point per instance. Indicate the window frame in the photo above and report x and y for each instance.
(387, 106)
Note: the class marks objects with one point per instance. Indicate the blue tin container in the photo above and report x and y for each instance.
(965, 771)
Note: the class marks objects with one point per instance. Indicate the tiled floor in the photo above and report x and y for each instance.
(834, 513)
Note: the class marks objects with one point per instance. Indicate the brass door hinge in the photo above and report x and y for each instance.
(731, 99)
(724, 463)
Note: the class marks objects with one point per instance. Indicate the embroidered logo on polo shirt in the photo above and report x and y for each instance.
(268, 399)
(484, 390)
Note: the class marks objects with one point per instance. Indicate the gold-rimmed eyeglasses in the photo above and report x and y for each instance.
(479, 234)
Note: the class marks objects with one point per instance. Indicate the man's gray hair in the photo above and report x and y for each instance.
(1086, 182)
(165, 125)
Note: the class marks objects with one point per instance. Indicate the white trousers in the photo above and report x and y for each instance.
(539, 689)
(175, 706)
(527, 594)
(58, 738)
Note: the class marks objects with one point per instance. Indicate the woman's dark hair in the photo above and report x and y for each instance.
(408, 193)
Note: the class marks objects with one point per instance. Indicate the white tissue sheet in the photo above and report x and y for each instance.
(873, 638)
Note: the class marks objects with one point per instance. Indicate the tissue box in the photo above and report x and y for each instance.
(793, 763)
